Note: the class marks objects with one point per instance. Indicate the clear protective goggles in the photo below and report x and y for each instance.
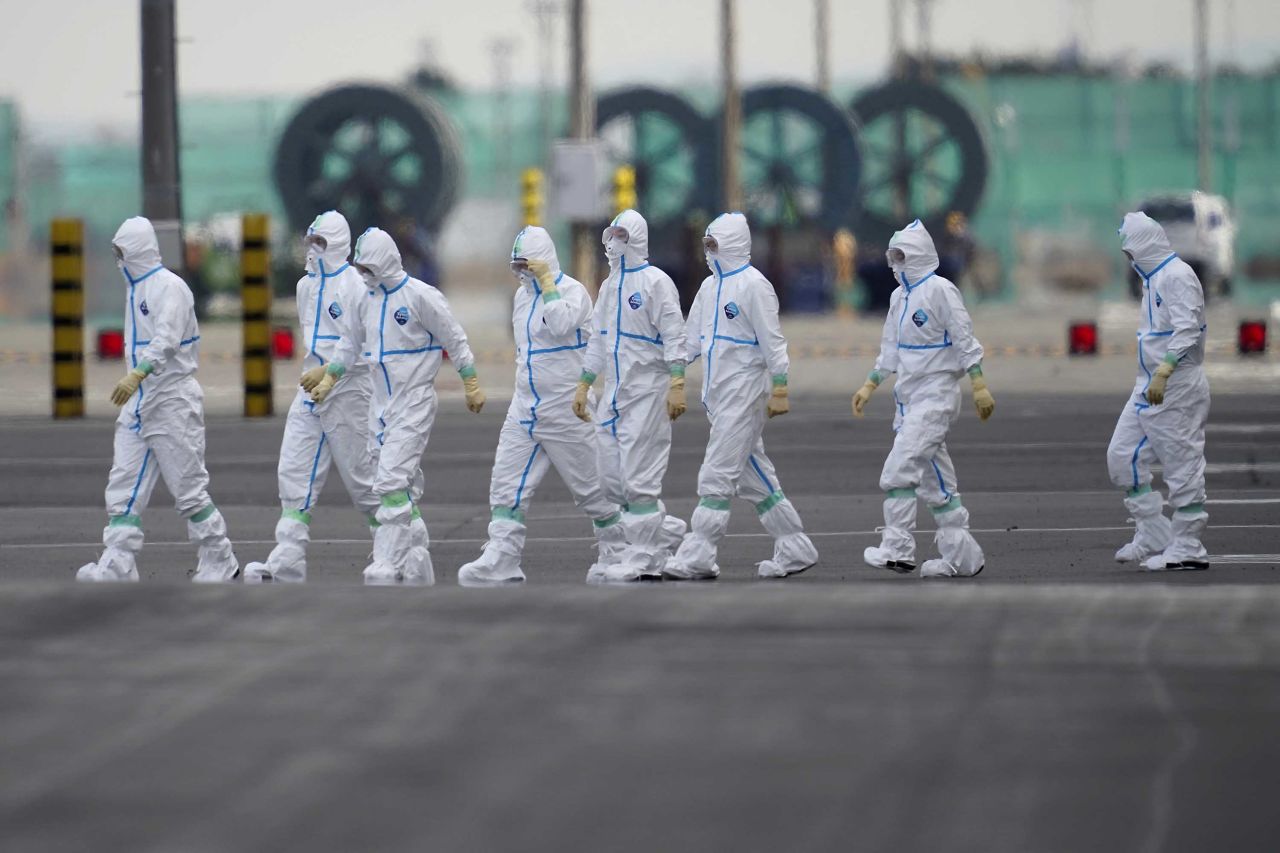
(118, 252)
(519, 265)
(614, 232)
(315, 240)
(895, 256)
(709, 244)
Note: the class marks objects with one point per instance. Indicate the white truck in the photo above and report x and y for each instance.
(1203, 233)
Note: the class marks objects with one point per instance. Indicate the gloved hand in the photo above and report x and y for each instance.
(322, 388)
(982, 399)
(580, 407)
(546, 281)
(311, 378)
(1159, 379)
(471, 388)
(128, 386)
(778, 403)
(675, 397)
(863, 394)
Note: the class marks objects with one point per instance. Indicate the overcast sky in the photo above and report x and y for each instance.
(73, 65)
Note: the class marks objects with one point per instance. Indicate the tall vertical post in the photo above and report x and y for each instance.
(67, 248)
(822, 43)
(731, 118)
(1204, 125)
(899, 171)
(255, 301)
(161, 177)
(582, 126)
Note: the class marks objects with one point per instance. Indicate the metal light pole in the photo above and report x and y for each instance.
(161, 176)
(1204, 128)
(582, 126)
(822, 43)
(731, 121)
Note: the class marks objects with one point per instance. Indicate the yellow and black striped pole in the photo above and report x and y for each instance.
(67, 311)
(255, 301)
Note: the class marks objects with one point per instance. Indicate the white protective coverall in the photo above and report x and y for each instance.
(331, 302)
(733, 325)
(160, 430)
(1171, 327)
(407, 325)
(638, 341)
(928, 341)
(551, 333)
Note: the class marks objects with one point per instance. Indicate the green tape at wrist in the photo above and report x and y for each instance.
(1171, 359)
(975, 371)
(875, 377)
(780, 380)
(467, 372)
(335, 370)
(677, 368)
(587, 377)
(145, 368)
(551, 294)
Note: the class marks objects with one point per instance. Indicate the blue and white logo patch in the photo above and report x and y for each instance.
(335, 310)
(143, 308)
(635, 300)
(731, 310)
(919, 318)
(402, 315)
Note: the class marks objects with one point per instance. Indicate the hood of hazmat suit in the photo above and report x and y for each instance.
(159, 323)
(1171, 322)
(331, 299)
(928, 335)
(551, 334)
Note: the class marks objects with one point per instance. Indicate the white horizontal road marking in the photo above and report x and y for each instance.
(1247, 559)
(1243, 501)
(1241, 467)
(557, 539)
(1243, 429)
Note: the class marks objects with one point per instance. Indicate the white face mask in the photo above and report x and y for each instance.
(313, 254)
(897, 259)
(614, 249)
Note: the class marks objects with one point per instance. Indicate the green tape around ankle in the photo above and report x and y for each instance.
(602, 523)
(645, 508)
(901, 493)
(204, 514)
(296, 515)
(770, 502)
(502, 513)
(950, 505)
(721, 504)
(1191, 509)
(125, 521)
(1138, 492)
(395, 499)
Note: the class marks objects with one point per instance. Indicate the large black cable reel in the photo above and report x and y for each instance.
(941, 165)
(383, 156)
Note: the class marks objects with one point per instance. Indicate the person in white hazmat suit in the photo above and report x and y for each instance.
(928, 341)
(407, 326)
(160, 430)
(331, 300)
(1164, 418)
(734, 326)
(638, 344)
(551, 318)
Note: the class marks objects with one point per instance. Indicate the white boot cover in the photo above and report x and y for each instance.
(287, 562)
(695, 559)
(793, 552)
(961, 555)
(216, 562)
(897, 549)
(1152, 531)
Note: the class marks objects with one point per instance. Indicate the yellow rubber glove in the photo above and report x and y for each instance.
(863, 394)
(322, 388)
(982, 399)
(1159, 379)
(580, 404)
(471, 388)
(546, 281)
(311, 378)
(778, 403)
(128, 386)
(675, 395)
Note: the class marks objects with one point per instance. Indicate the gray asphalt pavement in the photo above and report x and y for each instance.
(1057, 702)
